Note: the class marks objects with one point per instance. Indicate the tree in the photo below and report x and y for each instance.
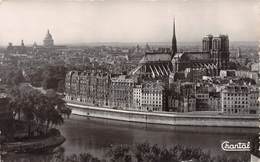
(120, 153)
(58, 102)
(15, 101)
(53, 77)
(13, 77)
(34, 75)
(37, 108)
(152, 153)
(61, 86)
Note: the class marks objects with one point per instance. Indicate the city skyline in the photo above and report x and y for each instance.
(124, 21)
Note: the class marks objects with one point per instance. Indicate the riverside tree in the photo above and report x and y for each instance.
(36, 109)
(145, 152)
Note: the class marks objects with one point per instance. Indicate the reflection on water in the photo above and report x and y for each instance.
(96, 136)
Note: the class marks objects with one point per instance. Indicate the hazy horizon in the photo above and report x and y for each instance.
(103, 21)
(131, 44)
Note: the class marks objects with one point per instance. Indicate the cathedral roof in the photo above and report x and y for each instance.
(155, 70)
(155, 57)
(192, 56)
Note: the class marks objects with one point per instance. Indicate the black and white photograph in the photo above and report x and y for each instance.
(129, 80)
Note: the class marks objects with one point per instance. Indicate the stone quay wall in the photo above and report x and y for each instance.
(167, 118)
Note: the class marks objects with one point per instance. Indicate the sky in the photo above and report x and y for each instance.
(86, 21)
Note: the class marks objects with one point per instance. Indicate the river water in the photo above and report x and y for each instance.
(96, 136)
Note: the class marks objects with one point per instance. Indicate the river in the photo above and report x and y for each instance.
(95, 136)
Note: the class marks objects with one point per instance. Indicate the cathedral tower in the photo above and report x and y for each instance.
(207, 43)
(174, 42)
(220, 51)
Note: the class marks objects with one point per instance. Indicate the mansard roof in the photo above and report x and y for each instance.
(153, 85)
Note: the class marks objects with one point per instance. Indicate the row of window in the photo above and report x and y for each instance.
(235, 106)
(202, 95)
(236, 110)
(152, 97)
(231, 98)
(254, 104)
(153, 94)
(122, 84)
(159, 95)
(235, 94)
(235, 102)
(152, 102)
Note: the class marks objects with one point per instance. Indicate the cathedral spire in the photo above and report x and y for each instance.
(174, 42)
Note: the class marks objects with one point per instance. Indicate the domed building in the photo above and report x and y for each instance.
(48, 40)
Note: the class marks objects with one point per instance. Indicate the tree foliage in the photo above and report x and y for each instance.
(48, 76)
(37, 109)
(145, 152)
(53, 77)
(13, 77)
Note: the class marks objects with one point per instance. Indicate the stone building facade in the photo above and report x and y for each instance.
(90, 87)
(181, 97)
(22, 49)
(214, 101)
(121, 92)
(154, 96)
(137, 97)
(239, 99)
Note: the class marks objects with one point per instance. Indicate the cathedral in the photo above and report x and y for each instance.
(154, 65)
(159, 64)
(213, 57)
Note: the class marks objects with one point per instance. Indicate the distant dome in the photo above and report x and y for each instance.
(48, 40)
(48, 35)
(34, 44)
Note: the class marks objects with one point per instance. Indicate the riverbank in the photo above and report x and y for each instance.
(176, 119)
(45, 144)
